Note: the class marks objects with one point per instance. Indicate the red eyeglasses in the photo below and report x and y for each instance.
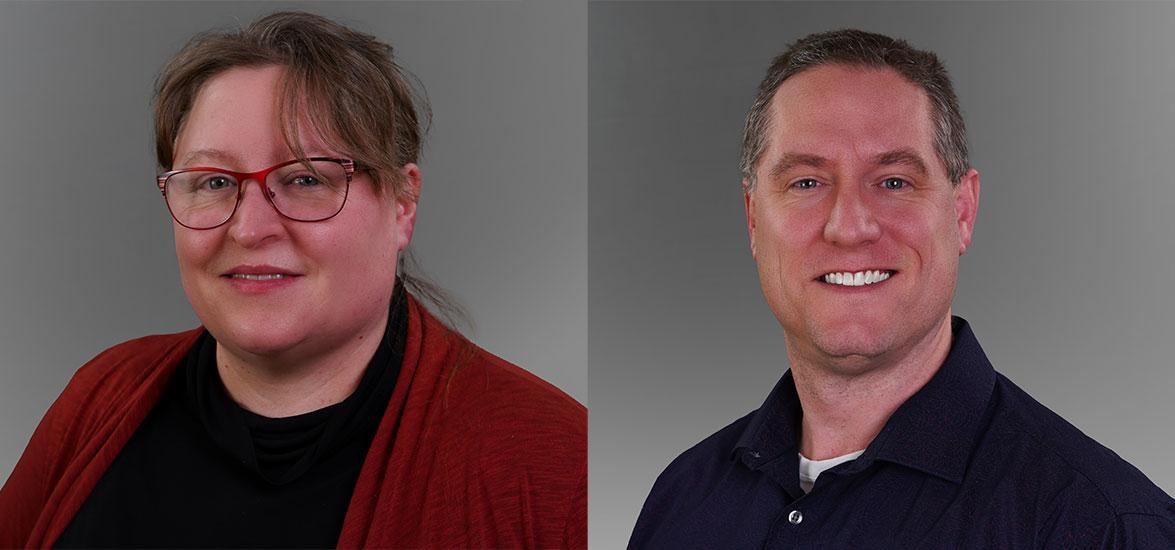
(306, 190)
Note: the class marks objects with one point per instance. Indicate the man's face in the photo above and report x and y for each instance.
(855, 227)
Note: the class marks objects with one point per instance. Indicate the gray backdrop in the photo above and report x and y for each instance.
(1067, 282)
(1070, 125)
(86, 238)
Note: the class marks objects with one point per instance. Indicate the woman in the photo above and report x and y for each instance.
(320, 404)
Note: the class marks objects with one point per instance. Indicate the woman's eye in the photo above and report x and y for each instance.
(805, 184)
(217, 183)
(305, 181)
(894, 183)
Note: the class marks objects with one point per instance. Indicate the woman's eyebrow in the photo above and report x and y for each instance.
(217, 155)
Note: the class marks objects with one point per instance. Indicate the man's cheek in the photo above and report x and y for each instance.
(780, 271)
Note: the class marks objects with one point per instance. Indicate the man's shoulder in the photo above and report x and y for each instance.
(699, 462)
(689, 480)
(1065, 463)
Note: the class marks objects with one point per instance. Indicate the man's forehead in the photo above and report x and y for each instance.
(832, 76)
(837, 112)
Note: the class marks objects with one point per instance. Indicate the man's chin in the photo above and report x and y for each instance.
(850, 348)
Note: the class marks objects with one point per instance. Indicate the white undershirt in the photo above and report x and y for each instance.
(811, 469)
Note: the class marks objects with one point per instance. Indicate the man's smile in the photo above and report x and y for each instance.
(856, 278)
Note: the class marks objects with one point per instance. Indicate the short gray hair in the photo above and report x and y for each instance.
(854, 47)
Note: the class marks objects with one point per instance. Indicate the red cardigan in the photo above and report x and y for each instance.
(471, 452)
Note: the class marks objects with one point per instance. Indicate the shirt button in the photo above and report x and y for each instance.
(795, 517)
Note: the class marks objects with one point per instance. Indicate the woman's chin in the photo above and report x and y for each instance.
(265, 343)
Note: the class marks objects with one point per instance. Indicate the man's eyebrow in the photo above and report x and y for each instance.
(792, 160)
(906, 157)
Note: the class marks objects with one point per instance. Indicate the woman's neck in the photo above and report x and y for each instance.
(297, 382)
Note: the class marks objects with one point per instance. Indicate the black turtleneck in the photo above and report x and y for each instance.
(203, 472)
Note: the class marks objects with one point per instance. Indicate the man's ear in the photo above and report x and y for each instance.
(406, 205)
(749, 206)
(966, 207)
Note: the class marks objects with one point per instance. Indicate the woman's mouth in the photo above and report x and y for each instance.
(259, 276)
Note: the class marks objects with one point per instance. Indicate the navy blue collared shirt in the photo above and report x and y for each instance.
(969, 461)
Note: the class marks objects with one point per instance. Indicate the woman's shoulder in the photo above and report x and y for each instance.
(128, 362)
(86, 425)
(123, 377)
(493, 396)
(485, 403)
(517, 437)
(486, 389)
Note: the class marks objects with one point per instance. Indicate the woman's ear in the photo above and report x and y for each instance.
(406, 205)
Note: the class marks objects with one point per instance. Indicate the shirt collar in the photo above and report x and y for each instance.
(774, 429)
(933, 431)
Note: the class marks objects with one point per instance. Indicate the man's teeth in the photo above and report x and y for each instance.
(859, 278)
(265, 277)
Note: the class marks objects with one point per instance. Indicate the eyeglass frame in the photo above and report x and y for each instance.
(349, 168)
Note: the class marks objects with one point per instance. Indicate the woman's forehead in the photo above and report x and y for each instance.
(237, 118)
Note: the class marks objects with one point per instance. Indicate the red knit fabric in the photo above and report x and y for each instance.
(472, 452)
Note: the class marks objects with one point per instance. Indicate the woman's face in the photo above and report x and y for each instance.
(336, 276)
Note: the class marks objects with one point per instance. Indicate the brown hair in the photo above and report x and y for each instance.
(349, 85)
(854, 47)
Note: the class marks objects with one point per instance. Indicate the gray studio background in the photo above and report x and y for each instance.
(88, 257)
(1067, 282)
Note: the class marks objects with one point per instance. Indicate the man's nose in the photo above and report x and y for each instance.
(255, 221)
(852, 219)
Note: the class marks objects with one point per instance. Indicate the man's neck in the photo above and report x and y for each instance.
(844, 412)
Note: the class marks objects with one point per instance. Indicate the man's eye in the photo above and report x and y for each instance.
(805, 184)
(894, 183)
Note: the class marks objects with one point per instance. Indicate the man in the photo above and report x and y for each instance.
(890, 429)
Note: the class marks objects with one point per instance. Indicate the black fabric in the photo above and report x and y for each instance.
(202, 472)
(969, 461)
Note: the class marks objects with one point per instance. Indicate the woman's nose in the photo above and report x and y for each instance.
(255, 221)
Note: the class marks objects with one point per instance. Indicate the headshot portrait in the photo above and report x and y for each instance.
(294, 275)
(874, 276)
